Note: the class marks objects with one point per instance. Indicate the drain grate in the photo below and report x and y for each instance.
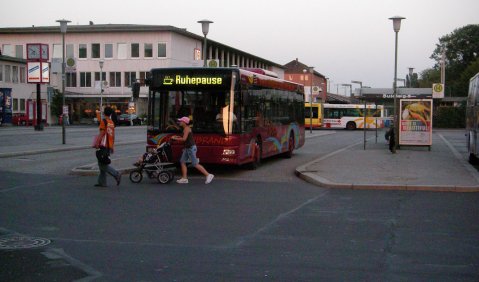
(22, 242)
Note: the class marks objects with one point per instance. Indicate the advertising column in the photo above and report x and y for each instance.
(415, 122)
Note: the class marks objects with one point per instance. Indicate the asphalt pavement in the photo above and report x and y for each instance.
(441, 169)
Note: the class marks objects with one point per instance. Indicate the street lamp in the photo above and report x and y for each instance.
(205, 27)
(63, 29)
(311, 70)
(101, 62)
(396, 26)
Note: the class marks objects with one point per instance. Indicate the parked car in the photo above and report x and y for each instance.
(124, 119)
(21, 119)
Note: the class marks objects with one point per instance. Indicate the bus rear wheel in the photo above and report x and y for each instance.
(351, 125)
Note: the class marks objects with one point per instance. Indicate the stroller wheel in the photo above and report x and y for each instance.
(136, 176)
(164, 177)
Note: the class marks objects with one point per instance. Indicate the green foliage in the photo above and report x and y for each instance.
(461, 50)
(428, 77)
(57, 102)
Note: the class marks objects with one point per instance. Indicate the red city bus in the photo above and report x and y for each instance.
(238, 116)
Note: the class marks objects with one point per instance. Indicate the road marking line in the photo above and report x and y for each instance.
(458, 155)
(271, 224)
(26, 185)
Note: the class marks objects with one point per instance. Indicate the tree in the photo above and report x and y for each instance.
(428, 77)
(57, 103)
(461, 48)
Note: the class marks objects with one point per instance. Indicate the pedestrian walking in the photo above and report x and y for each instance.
(189, 153)
(390, 136)
(107, 140)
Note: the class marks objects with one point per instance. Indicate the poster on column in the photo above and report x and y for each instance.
(415, 122)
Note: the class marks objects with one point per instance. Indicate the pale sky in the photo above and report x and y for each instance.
(343, 39)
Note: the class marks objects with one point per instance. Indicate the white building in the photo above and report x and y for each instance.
(128, 52)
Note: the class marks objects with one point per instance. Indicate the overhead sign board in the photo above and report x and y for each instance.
(388, 93)
(38, 72)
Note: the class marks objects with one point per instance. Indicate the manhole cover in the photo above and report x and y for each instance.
(22, 242)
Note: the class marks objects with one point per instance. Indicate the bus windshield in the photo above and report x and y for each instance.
(209, 111)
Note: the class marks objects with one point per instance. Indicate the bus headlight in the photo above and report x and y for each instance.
(229, 152)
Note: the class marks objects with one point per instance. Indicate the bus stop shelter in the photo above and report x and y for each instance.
(385, 97)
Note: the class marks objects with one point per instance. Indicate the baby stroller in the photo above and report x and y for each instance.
(157, 164)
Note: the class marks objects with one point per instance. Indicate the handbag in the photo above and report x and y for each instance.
(100, 140)
(103, 155)
(102, 152)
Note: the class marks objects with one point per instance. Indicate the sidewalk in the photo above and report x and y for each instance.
(442, 169)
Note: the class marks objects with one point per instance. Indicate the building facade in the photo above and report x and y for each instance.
(298, 72)
(111, 57)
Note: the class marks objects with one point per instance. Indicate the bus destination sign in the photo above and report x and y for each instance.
(190, 81)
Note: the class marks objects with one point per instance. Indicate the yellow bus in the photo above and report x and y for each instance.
(317, 119)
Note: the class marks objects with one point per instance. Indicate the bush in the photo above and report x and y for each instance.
(449, 117)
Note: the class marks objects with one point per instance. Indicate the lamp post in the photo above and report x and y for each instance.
(63, 29)
(396, 26)
(101, 62)
(205, 27)
(311, 71)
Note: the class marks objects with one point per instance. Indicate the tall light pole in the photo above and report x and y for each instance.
(311, 71)
(101, 62)
(396, 26)
(63, 29)
(205, 27)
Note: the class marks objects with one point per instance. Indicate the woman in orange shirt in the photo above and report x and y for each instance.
(109, 130)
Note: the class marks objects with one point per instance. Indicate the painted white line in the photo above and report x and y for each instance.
(461, 159)
(26, 186)
(271, 224)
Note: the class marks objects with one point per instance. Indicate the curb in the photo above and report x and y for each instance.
(325, 183)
